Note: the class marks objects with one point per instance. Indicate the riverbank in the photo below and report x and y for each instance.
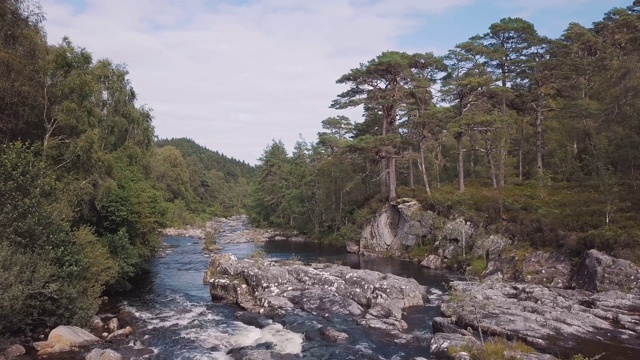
(537, 297)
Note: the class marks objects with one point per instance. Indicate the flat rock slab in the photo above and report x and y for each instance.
(548, 319)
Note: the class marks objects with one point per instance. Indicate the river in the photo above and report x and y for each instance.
(178, 320)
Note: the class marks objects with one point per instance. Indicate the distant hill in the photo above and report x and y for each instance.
(218, 184)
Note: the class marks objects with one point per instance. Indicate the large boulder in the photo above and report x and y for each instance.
(456, 239)
(397, 226)
(276, 289)
(600, 272)
(490, 247)
(65, 338)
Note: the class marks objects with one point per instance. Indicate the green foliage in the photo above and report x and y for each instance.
(477, 267)
(44, 268)
(206, 182)
(496, 349)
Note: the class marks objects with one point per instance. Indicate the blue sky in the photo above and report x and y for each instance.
(233, 75)
(442, 31)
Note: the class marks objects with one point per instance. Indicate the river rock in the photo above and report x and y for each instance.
(352, 247)
(433, 262)
(600, 272)
(14, 351)
(189, 231)
(275, 289)
(96, 323)
(113, 325)
(441, 343)
(65, 338)
(100, 354)
(332, 335)
(552, 319)
(120, 334)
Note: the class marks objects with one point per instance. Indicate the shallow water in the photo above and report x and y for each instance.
(179, 321)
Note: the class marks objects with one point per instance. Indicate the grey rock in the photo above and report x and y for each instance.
(96, 323)
(65, 338)
(332, 335)
(549, 318)
(446, 325)
(433, 262)
(442, 342)
(353, 247)
(275, 289)
(121, 334)
(14, 351)
(189, 231)
(113, 325)
(456, 239)
(490, 247)
(100, 354)
(600, 272)
(553, 270)
(397, 225)
(461, 356)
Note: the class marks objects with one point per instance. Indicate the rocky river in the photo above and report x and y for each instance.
(290, 299)
(177, 319)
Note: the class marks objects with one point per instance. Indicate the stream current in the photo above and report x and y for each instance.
(177, 319)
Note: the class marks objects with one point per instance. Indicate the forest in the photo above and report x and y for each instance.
(85, 184)
(533, 137)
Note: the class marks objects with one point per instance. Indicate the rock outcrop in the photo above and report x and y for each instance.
(65, 338)
(551, 319)
(323, 291)
(600, 272)
(398, 225)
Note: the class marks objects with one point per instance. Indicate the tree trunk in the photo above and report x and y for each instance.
(384, 176)
(423, 168)
(539, 143)
(460, 163)
(502, 163)
(492, 165)
(392, 178)
(520, 146)
(438, 164)
(411, 173)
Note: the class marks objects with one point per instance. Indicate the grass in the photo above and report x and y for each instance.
(477, 267)
(496, 349)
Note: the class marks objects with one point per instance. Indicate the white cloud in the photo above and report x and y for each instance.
(232, 77)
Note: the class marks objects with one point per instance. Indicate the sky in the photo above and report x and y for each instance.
(233, 75)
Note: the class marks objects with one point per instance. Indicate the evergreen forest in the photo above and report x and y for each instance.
(533, 137)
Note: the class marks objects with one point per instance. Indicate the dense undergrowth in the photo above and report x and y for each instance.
(84, 187)
(567, 217)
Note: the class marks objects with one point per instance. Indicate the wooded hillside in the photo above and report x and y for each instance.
(84, 189)
(536, 135)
